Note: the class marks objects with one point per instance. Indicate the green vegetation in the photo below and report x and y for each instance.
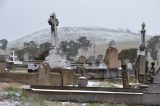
(34, 100)
(31, 48)
(70, 48)
(152, 43)
(12, 89)
(15, 94)
(130, 54)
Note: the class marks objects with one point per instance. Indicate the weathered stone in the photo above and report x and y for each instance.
(125, 79)
(44, 74)
(67, 76)
(99, 59)
(111, 58)
(82, 59)
(140, 67)
(82, 81)
(55, 53)
(91, 60)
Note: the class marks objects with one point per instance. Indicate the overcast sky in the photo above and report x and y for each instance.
(22, 17)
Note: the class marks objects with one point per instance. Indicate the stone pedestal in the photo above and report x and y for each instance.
(54, 54)
(44, 74)
(140, 67)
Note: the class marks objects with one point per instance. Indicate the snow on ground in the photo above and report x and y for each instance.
(13, 98)
(104, 83)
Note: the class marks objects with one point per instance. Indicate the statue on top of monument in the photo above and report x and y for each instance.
(142, 47)
(53, 21)
(143, 31)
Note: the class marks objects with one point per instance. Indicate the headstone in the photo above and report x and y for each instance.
(44, 74)
(125, 79)
(26, 57)
(82, 59)
(150, 73)
(99, 59)
(91, 60)
(111, 56)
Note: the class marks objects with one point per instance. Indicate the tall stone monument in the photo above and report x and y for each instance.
(54, 53)
(141, 61)
(142, 49)
(111, 56)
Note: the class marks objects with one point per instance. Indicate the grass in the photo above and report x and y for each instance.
(12, 89)
(34, 100)
(12, 93)
(15, 94)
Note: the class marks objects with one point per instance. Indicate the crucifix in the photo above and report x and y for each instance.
(53, 21)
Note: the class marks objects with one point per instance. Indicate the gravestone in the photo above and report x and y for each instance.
(82, 59)
(140, 64)
(91, 60)
(26, 57)
(44, 74)
(111, 56)
(99, 59)
(140, 67)
(55, 53)
(125, 79)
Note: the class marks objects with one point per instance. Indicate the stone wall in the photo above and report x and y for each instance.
(30, 78)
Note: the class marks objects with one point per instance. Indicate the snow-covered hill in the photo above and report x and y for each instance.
(96, 35)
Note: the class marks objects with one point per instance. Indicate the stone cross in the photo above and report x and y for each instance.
(53, 21)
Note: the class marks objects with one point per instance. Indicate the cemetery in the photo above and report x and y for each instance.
(56, 79)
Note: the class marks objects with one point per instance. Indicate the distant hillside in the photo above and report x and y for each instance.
(96, 35)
